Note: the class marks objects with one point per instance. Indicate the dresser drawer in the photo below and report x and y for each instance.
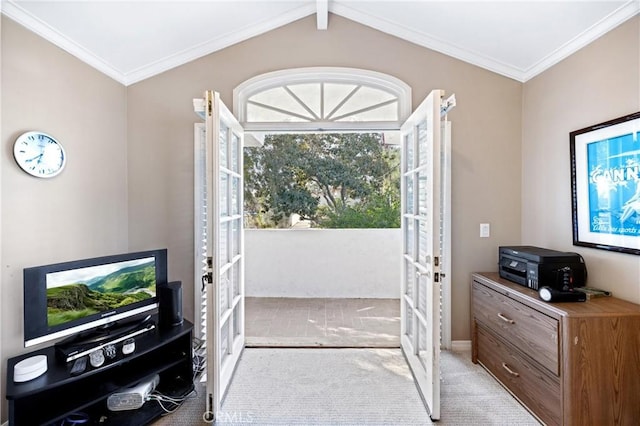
(536, 388)
(531, 331)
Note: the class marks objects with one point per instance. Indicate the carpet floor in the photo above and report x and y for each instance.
(351, 387)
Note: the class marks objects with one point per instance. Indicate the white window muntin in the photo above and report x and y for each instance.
(390, 97)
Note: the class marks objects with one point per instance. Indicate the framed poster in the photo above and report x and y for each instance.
(605, 185)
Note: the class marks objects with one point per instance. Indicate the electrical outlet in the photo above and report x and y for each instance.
(485, 230)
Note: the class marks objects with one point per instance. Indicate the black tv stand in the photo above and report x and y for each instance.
(52, 397)
(82, 344)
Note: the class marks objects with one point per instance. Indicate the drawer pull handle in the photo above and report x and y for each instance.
(510, 371)
(505, 319)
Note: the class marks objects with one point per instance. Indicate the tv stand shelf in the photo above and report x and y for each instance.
(50, 398)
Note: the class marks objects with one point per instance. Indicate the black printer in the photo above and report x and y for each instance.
(535, 267)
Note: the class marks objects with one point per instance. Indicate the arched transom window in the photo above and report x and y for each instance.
(312, 99)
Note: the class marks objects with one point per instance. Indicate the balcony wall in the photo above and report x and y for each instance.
(336, 263)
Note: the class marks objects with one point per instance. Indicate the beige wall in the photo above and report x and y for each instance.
(128, 182)
(599, 83)
(486, 138)
(83, 211)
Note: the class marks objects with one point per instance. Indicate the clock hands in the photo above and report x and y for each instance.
(37, 157)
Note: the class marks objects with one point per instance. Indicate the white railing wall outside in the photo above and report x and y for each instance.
(335, 263)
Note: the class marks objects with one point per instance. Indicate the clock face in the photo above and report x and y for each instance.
(39, 154)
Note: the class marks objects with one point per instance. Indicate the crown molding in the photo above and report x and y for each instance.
(620, 15)
(16, 13)
(427, 41)
(217, 43)
(597, 30)
(27, 20)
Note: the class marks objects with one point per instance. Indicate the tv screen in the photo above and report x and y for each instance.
(67, 298)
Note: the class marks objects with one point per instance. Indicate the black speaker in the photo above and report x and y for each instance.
(170, 304)
(549, 294)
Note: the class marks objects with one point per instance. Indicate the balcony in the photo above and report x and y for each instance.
(323, 287)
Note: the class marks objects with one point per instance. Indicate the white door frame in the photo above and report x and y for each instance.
(219, 235)
(444, 310)
(425, 289)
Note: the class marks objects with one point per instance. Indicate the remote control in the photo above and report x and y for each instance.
(79, 366)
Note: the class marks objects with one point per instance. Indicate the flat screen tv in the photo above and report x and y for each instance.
(65, 299)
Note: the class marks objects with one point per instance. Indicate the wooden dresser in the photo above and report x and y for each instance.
(568, 363)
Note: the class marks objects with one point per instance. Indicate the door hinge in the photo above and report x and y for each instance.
(447, 105)
(436, 261)
(209, 103)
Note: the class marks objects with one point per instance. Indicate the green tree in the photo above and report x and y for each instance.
(333, 180)
(379, 211)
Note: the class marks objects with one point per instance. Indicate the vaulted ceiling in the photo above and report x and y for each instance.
(134, 40)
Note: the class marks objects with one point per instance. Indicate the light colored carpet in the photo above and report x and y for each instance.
(352, 387)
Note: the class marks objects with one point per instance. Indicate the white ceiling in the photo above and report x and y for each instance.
(134, 40)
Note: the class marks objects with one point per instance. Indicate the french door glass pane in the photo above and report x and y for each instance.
(224, 341)
(408, 150)
(236, 321)
(421, 295)
(224, 243)
(235, 153)
(235, 234)
(423, 147)
(423, 192)
(409, 192)
(410, 276)
(423, 240)
(422, 344)
(223, 146)
(236, 279)
(235, 195)
(408, 320)
(225, 282)
(409, 236)
(224, 194)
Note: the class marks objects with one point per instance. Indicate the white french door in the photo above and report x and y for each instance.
(219, 245)
(424, 239)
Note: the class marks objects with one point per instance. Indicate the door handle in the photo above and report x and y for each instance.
(206, 279)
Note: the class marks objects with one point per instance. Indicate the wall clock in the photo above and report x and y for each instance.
(39, 154)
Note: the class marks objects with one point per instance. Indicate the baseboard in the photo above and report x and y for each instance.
(461, 346)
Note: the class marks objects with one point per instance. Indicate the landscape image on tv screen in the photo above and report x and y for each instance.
(78, 293)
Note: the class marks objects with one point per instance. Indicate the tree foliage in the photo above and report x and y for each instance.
(333, 180)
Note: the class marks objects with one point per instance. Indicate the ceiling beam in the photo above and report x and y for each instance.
(322, 12)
